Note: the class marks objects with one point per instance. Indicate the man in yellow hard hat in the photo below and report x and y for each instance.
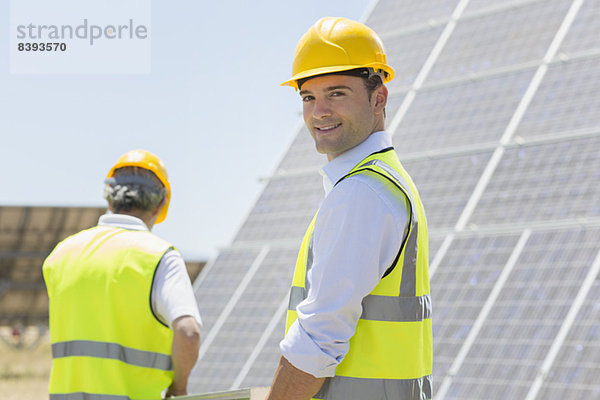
(359, 317)
(124, 323)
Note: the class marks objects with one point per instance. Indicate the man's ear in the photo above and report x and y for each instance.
(160, 206)
(381, 95)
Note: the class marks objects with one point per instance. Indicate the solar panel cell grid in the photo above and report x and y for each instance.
(566, 101)
(577, 361)
(290, 194)
(408, 52)
(584, 34)
(7, 240)
(485, 388)
(464, 114)
(525, 319)
(219, 285)
(26, 270)
(39, 219)
(270, 227)
(248, 319)
(554, 181)
(512, 36)
(434, 245)
(389, 16)
(445, 184)
(11, 217)
(20, 302)
(263, 368)
(460, 287)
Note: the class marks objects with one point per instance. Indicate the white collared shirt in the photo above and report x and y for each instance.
(172, 295)
(356, 237)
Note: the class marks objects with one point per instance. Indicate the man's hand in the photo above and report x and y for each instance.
(291, 383)
(172, 392)
(186, 342)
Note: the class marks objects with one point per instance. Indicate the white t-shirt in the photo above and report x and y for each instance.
(172, 294)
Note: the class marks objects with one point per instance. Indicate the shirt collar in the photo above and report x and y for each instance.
(335, 170)
(122, 221)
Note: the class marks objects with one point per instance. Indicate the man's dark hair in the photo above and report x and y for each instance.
(372, 79)
(134, 188)
(372, 83)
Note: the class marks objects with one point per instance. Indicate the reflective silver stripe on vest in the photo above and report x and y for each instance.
(309, 262)
(396, 309)
(408, 284)
(346, 388)
(86, 396)
(394, 174)
(115, 351)
(297, 294)
(381, 308)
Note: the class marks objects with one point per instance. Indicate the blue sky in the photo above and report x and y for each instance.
(211, 108)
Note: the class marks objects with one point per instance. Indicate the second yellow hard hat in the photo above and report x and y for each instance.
(147, 160)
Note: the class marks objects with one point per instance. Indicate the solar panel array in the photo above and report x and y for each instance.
(494, 112)
(27, 236)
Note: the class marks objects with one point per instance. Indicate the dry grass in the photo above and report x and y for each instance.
(24, 373)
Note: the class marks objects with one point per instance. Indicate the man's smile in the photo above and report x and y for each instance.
(326, 128)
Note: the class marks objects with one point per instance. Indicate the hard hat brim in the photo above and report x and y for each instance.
(293, 81)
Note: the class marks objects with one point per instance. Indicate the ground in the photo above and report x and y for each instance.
(24, 372)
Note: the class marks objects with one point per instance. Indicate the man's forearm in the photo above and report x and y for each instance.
(186, 342)
(291, 383)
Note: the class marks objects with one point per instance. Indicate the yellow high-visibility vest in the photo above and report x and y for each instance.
(106, 341)
(390, 354)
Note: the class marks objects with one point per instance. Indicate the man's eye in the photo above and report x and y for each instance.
(307, 98)
(337, 94)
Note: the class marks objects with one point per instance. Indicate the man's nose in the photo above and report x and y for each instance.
(321, 109)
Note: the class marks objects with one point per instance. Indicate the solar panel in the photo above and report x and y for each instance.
(247, 321)
(583, 35)
(494, 40)
(527, 315)
(408, 51)
(576, 368)
(549, 181)
(502, 138)
(389, 16)
(445, 184)
(461, 286)
(463, 114)
(263, 368)
(27, 235)
(566, 101)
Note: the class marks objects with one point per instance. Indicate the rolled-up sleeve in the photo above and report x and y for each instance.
(357, 235)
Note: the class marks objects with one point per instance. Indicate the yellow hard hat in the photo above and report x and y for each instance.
(145, 159)
(335, 45)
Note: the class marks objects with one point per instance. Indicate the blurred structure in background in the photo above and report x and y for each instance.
(27, 236)
(494, 112)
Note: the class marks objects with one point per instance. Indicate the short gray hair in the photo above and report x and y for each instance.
(134, 188)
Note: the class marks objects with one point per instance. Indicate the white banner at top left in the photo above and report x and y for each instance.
(80, 37)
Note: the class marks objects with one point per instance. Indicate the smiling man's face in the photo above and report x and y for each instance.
(338, 112)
